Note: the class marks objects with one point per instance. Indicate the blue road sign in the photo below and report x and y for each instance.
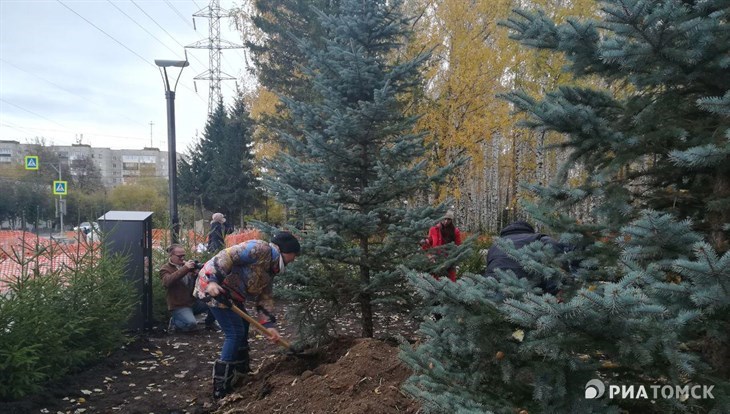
(31, 162)
(60, 187)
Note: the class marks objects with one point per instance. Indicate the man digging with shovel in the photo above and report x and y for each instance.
(256, 263)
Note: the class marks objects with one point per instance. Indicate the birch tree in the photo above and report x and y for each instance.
(474, 61)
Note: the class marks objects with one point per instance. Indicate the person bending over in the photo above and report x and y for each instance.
(245, 274)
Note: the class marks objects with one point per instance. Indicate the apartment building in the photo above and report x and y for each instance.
(117, 166)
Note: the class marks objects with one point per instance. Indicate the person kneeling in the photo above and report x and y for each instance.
(178, 278)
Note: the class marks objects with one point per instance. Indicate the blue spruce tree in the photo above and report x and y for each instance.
(646, 289)
(351, 168)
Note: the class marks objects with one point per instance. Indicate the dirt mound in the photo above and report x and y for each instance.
(347, 376)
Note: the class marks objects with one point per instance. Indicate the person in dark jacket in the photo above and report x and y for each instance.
(521, 233)
(219, 228)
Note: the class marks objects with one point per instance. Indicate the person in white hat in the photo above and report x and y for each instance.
(444, 232)
(218, 230)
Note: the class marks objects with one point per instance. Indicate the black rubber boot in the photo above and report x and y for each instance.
(222, 379)
(241, 366)
(243, 361)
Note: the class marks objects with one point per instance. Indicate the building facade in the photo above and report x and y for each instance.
(117, 166)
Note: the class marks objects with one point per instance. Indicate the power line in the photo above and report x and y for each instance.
(179, 14)
(142, 27)
(33, 113)
(57, 86)
(107, 34)
(235, 92)
(155, 22)
(67, 131)
(214, 13)
(19, 128)
(173, 38)
(163, 29)
(125, 46)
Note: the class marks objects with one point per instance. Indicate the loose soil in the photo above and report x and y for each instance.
(171, 373)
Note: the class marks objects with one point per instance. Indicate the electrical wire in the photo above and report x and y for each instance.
(143, 28)
(156, 38)
(191, 26)
(33, 113)
(125, 46)
(107, 34)
(179, 14)
(17, 127)
(59, 86)
(66, 129)
(163, 29)
(94, 134)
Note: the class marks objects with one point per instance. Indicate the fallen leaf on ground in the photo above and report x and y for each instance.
(519, 335)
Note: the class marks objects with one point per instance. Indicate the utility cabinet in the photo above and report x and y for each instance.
(129, 234)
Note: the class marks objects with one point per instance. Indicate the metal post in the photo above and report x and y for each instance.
(59, 205)
(171, 155)
(60, 199)
(172, 165)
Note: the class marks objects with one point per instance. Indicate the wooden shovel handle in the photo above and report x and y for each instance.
(282, 342)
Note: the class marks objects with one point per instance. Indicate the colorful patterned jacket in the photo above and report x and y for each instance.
(247, 272)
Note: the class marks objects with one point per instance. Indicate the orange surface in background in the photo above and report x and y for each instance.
(56, 254)
(234, 239)
(190, 239)
(40, 253)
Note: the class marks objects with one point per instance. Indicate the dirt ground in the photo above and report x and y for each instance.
(171, 373)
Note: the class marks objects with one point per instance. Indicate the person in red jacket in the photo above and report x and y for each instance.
(444, 232)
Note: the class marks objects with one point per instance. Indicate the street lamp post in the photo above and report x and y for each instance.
(60, 197)
(171, 155)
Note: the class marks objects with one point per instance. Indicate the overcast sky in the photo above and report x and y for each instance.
(61, 76)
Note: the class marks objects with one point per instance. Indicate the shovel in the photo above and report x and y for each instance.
(253, 322)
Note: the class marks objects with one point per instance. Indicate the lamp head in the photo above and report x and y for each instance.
(163, 63)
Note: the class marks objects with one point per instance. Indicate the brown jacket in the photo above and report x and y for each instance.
(179, 288)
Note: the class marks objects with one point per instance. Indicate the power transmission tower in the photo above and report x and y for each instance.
(214, 44)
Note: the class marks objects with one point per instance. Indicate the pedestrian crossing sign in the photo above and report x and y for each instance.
(31, 162)
(60, 188)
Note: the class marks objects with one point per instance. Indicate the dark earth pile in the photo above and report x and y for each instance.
(348, 376)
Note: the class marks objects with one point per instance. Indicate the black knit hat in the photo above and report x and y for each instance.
(287, 242)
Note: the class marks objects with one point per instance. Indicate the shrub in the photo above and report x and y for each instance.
(63, 310)
(159, 303)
